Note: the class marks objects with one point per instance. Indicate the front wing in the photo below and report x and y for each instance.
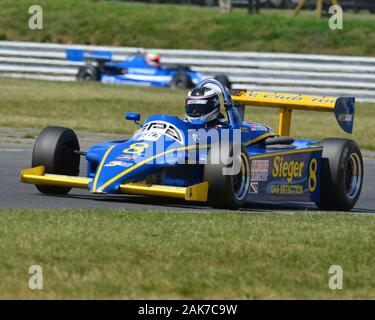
(37, 176)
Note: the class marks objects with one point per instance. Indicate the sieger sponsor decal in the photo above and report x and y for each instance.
(287, 169)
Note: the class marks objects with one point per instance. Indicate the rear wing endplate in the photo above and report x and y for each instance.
(82, 55)
(342, 107)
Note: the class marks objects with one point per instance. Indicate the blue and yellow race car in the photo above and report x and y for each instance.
(142, 70)
(226, 166)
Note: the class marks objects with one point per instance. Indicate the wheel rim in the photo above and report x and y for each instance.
(87, 77)
(353, 175)
(179, 84)
(241, 180)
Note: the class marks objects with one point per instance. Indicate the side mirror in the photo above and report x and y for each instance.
(133, 116)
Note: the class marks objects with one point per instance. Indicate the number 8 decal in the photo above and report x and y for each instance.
(136, 148)
(312, 178)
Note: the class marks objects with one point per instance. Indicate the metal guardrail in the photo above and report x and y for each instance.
(281, 72)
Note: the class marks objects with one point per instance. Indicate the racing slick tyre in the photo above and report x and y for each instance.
(341, 175)
(227, 191)
(87, 73)
(181, 81)
(224, 80)
(55, 150)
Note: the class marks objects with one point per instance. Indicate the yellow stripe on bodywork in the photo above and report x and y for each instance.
(261, 137)
(100, 168)
(120, 175)
(266, 155)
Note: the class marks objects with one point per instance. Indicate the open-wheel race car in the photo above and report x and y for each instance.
(226, 165)
(140, 70)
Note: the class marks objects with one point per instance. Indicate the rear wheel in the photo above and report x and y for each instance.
(224, 80)
(87, 73)
(341, 176)
(54, 149)
(228, 191)
(181, 81)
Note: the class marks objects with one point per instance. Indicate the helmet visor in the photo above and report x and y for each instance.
(198, 108)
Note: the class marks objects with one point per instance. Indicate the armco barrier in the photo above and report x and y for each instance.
(282, 72)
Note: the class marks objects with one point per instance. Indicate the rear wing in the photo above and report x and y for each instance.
(82, 55)
(343, 107)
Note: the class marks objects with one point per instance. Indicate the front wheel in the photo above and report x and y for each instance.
(55, 150)
(341, 175)
(226, 189)
(87, 73)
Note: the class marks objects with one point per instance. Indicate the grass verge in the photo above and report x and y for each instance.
(100, 108)
(171, 26)
(133, 254)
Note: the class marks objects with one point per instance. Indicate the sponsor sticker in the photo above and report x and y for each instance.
(197, 101)
(287, 169)
(149, 136)
(119, 163)
(345, 117)
(253, 187)
(126, 157)
(286, 189)
(259, 170)
(141, 70)
(258, 128)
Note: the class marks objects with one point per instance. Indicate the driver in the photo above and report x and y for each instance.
(204, 104)
(153, 59)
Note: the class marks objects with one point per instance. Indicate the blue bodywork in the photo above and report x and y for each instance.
(138, 72)
(163, 146)
(134, 71)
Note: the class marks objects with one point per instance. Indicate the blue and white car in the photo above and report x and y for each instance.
(135, 71)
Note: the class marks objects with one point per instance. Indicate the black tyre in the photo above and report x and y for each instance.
(224, 80)
(181, 81)
(54, 149)
(227, 191)
(342, 174)
(87, 73)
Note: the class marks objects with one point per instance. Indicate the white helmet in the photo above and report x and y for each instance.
(202, 104)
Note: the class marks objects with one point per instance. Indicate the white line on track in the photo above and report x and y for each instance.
(14, 150)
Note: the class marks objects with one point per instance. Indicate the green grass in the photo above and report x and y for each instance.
(133, 254)
(101, 108)
(170, 26)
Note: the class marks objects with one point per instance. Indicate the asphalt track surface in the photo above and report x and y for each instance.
(13, 194)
